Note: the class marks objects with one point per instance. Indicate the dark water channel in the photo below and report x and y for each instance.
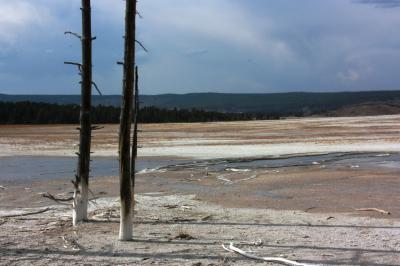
(331, 160)
(17, 168)
(20, 168)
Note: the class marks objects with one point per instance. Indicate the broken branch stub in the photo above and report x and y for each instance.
(73, 34)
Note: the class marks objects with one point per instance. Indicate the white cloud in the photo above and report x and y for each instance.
(222, 21)
(18, 16)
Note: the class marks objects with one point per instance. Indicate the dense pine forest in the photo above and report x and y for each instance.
(44, 113)
(285, 104)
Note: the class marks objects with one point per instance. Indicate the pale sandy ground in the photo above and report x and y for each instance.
(319, 239)
(289, 226)
(218, 140)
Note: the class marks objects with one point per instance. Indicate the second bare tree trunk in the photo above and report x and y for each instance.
(134, 137)
(81, 188)
(125, 231)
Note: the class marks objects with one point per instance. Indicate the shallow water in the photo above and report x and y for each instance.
(20, 168)
(331, 160)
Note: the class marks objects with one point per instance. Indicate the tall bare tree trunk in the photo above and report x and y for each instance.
(125, 230)
(81, 188)
(134, 137)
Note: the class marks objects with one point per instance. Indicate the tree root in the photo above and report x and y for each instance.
(58, 200)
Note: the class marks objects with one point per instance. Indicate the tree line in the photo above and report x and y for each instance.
(45, 113)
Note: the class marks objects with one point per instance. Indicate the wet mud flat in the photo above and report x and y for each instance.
(25, 168)
(337, 182)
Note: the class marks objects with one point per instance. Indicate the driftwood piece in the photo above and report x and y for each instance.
(233, 249)
(374, 210)
(228, 181)
(26, 213)
(259, 242)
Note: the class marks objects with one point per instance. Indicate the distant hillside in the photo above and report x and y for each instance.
(280, 103)
(365, 109)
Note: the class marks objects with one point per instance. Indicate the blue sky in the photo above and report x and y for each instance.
(247, 46)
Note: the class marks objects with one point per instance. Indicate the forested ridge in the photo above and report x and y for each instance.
(45, 113)
(285, 104)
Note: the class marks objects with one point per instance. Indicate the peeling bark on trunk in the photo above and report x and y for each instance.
(134, 137)
(125, 232)
(82, 178)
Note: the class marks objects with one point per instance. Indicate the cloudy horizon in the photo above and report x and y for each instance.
(230, 46)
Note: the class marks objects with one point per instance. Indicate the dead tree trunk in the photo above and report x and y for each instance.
(125, 231)
(81, 185)
(135, 133)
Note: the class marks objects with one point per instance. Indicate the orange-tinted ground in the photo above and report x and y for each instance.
(309, 189)
(338, 189)
(304, 213)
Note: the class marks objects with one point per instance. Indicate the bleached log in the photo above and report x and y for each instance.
(234, 249)
(259, 242)
(374, 210)
(224, 179)
(245, 179)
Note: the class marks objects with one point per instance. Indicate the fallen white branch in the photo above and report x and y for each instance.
(237, 170)
(374, 210)
(245, 179)
(150, 170)
(224, 179)
(228, 181)
(234, 249)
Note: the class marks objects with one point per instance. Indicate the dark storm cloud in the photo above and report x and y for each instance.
(197, 47)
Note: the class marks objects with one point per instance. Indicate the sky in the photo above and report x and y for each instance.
(230, 46)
